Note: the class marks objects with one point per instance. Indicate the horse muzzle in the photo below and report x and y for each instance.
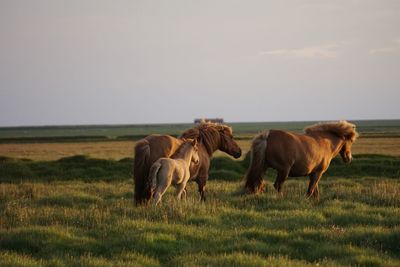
(348, 160)
(237, 154)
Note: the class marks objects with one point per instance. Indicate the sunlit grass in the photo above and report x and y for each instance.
(357, 222)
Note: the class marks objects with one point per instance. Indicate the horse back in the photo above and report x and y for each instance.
(300, 153)
(162, 146)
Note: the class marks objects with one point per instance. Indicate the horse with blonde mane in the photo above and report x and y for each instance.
(174, 170)
(210, 137)
(294, 155)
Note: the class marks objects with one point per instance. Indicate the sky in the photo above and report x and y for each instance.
(116, 62)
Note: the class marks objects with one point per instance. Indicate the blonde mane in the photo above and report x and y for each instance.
(207, 133)
(342, 129)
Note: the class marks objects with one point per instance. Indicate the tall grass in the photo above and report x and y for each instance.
(66, 223)
(78, 211)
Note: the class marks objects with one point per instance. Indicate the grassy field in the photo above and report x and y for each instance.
(357, 222)
(78, 211)
(83, 168)
(123, 149)
(70, 204)
(104, 131)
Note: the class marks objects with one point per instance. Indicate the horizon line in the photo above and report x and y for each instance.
(180, 123)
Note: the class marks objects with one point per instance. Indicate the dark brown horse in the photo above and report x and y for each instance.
(210, 137)
(297, 155)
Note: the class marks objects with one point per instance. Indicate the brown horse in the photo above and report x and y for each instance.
(210, 137)
(297, 155)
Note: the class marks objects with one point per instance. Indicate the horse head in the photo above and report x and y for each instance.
(344, 130)
(214, 136)
(345, 151)
(228, 144)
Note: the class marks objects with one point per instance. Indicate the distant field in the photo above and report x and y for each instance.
(51, 151)
(123, 149)
(134, 132)
(116, 142)
(103, 131)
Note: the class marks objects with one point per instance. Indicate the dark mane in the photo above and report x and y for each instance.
(208, 134)
(342, 129)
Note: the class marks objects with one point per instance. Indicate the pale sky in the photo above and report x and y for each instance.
(113, 62)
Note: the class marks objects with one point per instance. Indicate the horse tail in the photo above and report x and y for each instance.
(254, 182)
(141, 172)
(153, 175)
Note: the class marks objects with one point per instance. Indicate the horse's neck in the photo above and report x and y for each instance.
(211, 147)
(336, 144)
(187, 155)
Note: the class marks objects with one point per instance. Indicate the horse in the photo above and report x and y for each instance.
(295, 155)
(210, 137)
(174, 170)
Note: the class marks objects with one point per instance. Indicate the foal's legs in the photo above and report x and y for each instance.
(184, 194)
(160, 190)
(280, 179)
(181, 191)
(157, 198)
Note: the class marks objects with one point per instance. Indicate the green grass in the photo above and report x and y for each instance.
(95, 224)
(222, 168)
(70, 168)
(78, 211)
(90, 131)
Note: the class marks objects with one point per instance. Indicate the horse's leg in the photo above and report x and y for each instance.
(157, 198)
(184, 194)
(313, 185)
(160, 191)
(261, 185)
(201, 182)
(280, 179)
(180, 190)
(316, 192)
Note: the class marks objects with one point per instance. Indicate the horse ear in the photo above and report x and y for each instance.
(194, 142)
